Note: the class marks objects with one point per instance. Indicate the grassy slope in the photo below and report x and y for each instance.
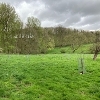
(84, 48)
(48, 77)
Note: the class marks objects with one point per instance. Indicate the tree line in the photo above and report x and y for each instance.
(30, 38)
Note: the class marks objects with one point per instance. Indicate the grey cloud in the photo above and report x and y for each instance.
(90, 27)
(74, 6)
(16, 1)
(72, 20)
(90, 20)
(12, 2)
(74, 10)
(70, 13)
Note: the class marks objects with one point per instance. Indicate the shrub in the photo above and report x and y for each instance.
(63, 51)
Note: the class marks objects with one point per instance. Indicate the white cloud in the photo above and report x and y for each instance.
(25, 9)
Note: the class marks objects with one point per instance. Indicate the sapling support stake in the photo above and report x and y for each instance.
(81, 66)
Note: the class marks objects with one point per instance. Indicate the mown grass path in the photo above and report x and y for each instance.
(48, 77)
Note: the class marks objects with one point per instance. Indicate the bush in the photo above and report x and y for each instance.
(63, 51)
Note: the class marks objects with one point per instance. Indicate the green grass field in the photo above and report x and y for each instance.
(84, 49)
(49, 77)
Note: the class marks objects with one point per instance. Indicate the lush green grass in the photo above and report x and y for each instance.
(82, 49)
(48, 77)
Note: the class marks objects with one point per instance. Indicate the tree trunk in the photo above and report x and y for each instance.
(82, 67)
(95, 56)
(74, 49)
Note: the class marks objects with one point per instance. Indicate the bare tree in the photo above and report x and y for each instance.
(96, 47)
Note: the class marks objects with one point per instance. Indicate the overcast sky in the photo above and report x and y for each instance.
(80, 14)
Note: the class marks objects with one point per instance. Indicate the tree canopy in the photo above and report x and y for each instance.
(30, 38)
